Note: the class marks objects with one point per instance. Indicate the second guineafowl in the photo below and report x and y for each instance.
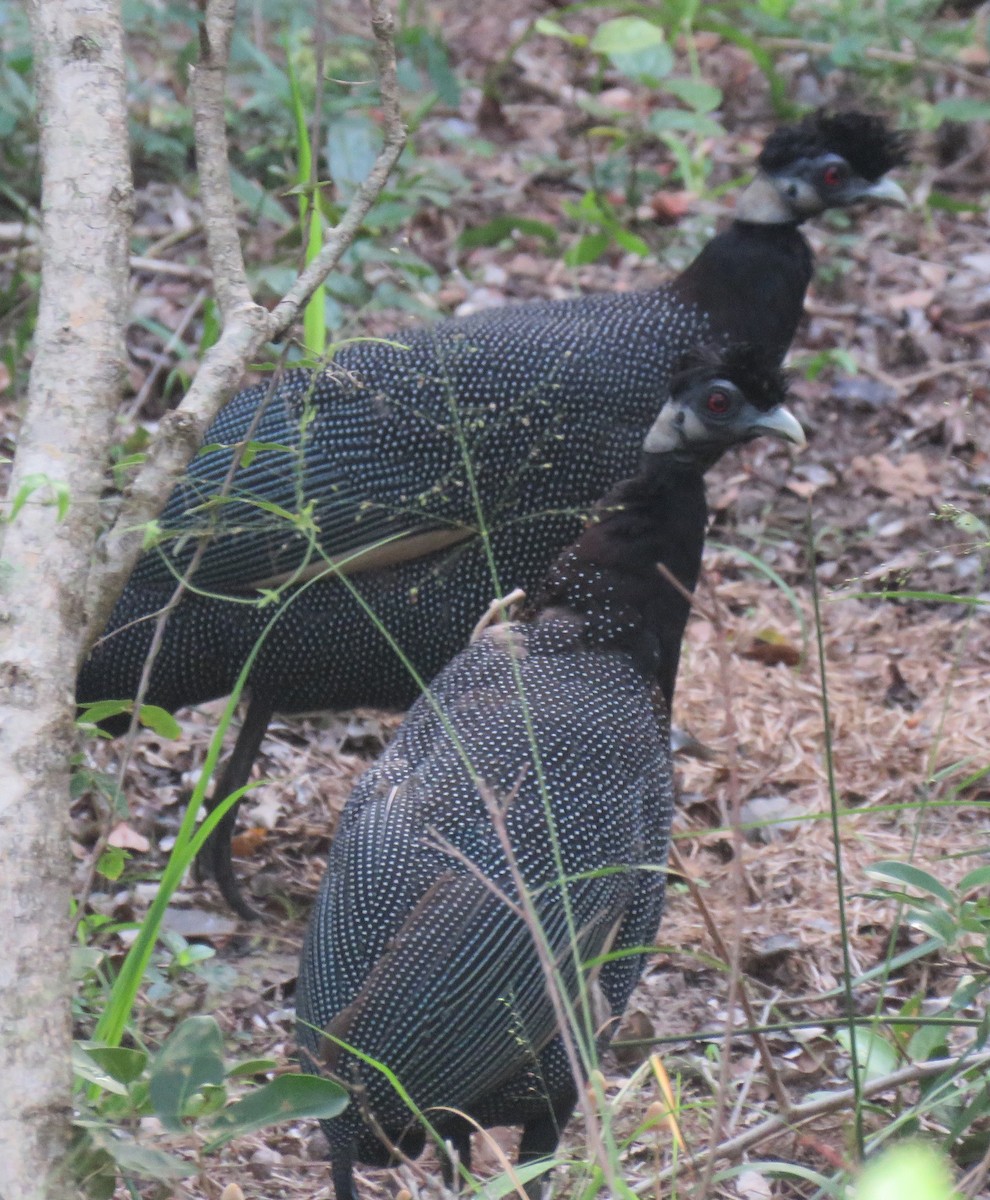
(453, 466)
(538, 758)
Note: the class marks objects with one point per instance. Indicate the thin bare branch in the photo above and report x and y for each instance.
(247, 326)
(900, 58)
(213, 158)
(836, 1102)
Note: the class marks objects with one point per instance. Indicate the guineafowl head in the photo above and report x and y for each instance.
(719, 399)
(825, 161)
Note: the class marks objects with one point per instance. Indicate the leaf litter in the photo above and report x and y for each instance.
(898, 451)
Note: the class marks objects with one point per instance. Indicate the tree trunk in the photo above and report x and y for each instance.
(46, 551)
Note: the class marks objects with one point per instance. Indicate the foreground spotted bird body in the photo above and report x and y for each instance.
(511, 422)
(544, 735)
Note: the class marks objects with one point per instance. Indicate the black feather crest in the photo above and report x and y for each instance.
(865, 141)
(753, 369)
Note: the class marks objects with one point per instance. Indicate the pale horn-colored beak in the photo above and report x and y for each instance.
(781, 422)
(885, 191)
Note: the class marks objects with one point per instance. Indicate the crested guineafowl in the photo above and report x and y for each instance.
(446, 469)
(536, 765)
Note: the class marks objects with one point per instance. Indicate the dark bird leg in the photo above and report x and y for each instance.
(459, 1137)
(342, 1172)
(216, 853)
(541, 1136)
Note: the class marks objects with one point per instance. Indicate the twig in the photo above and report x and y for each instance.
(900, 58)
(730, 737)
(756, 1027)
(839, 870)
(801, 1113)
(735, 990)
(162, 266)
(15, 232)
(498, 610)
(174, 237)
(903, 386)
(164, 359)
(441, 843)
(212, 158)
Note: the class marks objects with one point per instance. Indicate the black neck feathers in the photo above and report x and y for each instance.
(751, 281)
(610, 577)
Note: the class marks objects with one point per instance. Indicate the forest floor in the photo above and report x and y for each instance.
(897, 454)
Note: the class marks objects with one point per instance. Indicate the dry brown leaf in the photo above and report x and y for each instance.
(249, 842)
(669, 207)
(919, 298)
(126, 838)
(770, 648)
(751, 1185)
(903, 480)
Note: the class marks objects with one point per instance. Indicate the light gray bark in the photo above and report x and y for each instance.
(44, 562)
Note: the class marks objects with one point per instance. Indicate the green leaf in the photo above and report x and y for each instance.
(928, 1041)
(626, 35)
(507, 1184)
(629, 241)
(252, 1066)
(776, 8)
(504, 226)
(353, 142)
(667, 119)
(257, 200)
(160, 721)
(980, 878)
(551, 28)
(935, 921)
(954, 204)
(119, 1062)
(143, 1161)
(191, 1057)
(275, 509)
(197, 952)
(875, 1056)
(205, 1103)
(85, 1067)
(588, 249)
(695, 93)
(286, 1098)
(251, 449)
(36, 482)
(914, 877)
(93, 714)
(92, 1165)
(111, 862)
(636, 47)
(212, 326)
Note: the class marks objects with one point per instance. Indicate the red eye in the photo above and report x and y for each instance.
(719, 403)
(832, 176)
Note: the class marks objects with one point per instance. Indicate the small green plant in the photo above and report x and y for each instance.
(189, 1086)
(638, 49)
(959, 919)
